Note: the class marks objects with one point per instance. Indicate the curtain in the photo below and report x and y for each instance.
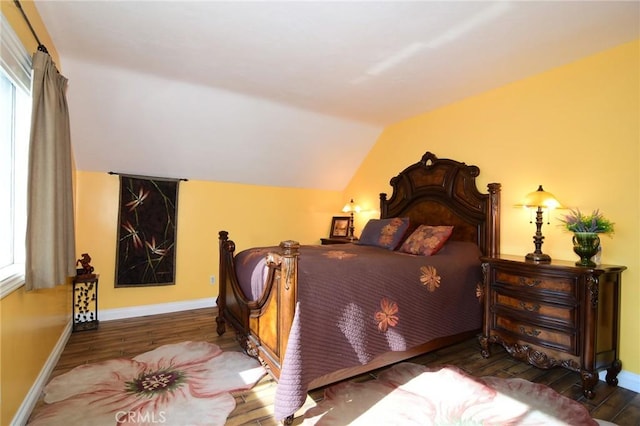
(50, 241)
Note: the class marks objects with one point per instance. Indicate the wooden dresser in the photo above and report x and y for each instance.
(554, 314)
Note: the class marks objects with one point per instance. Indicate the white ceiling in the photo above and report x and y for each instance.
(294, 93)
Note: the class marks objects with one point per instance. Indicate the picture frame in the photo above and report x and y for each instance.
(339, 227)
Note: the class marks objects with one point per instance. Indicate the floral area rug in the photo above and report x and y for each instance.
(178, 384)
(411, 394)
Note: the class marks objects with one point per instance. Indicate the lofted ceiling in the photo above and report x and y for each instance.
(294, 93)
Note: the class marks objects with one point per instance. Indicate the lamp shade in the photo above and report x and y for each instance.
(350, 207)
(541, 198)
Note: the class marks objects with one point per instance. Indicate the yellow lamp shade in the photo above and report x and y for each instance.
(541, 198)
(350, 207)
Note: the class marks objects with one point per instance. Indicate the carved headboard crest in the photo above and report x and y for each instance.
(437, 191)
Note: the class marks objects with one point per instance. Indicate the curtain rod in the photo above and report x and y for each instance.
(146, 177)
(41, 46)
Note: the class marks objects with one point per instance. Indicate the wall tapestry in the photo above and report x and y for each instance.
(146, 231)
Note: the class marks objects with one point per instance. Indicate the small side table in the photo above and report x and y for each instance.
(337, 240)
(84, 302)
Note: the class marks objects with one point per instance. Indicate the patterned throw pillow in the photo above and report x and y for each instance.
(426, 240)
(385, 233)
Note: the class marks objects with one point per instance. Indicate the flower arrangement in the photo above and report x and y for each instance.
(576, 221)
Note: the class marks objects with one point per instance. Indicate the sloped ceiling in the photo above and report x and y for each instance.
(293, 93)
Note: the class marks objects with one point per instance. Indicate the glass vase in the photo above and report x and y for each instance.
(585, 245)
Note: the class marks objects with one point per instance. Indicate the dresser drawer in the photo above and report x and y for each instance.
(560, 340)
(562, 316)
(558, 284)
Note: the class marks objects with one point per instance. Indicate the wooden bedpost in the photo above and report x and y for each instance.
(288, 290)
(493, 217)
(232, 306)
(223, 237)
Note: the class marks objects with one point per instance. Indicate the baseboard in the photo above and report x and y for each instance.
(626, 380)
(163, 308)
(29, 402)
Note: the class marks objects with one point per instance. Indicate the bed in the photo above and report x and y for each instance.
(315, 314)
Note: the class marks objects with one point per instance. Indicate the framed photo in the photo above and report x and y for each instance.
(339, 227)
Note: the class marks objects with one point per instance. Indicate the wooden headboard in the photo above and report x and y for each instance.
(438, 191)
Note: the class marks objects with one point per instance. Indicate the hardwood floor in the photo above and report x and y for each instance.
(130, 337)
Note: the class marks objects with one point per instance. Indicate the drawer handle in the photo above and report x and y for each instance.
(531, 307)
(531, 333)
(529, 282)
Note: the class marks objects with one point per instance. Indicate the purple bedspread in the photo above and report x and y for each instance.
(356, 302)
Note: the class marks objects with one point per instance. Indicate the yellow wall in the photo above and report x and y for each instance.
(30, 323)
(574, 129)
(253, 215)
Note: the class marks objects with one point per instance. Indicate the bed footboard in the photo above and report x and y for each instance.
(262, 326)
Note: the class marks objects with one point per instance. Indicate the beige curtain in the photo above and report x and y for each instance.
(50, 243)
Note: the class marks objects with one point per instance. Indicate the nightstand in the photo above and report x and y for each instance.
(554, 314)
(337, 240)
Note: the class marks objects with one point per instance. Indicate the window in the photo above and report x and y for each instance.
(15, 119)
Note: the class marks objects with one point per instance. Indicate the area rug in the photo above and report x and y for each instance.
(186, 383)
(412, 394)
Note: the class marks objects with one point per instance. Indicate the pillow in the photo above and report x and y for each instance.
(385, 233)
(426, 240)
